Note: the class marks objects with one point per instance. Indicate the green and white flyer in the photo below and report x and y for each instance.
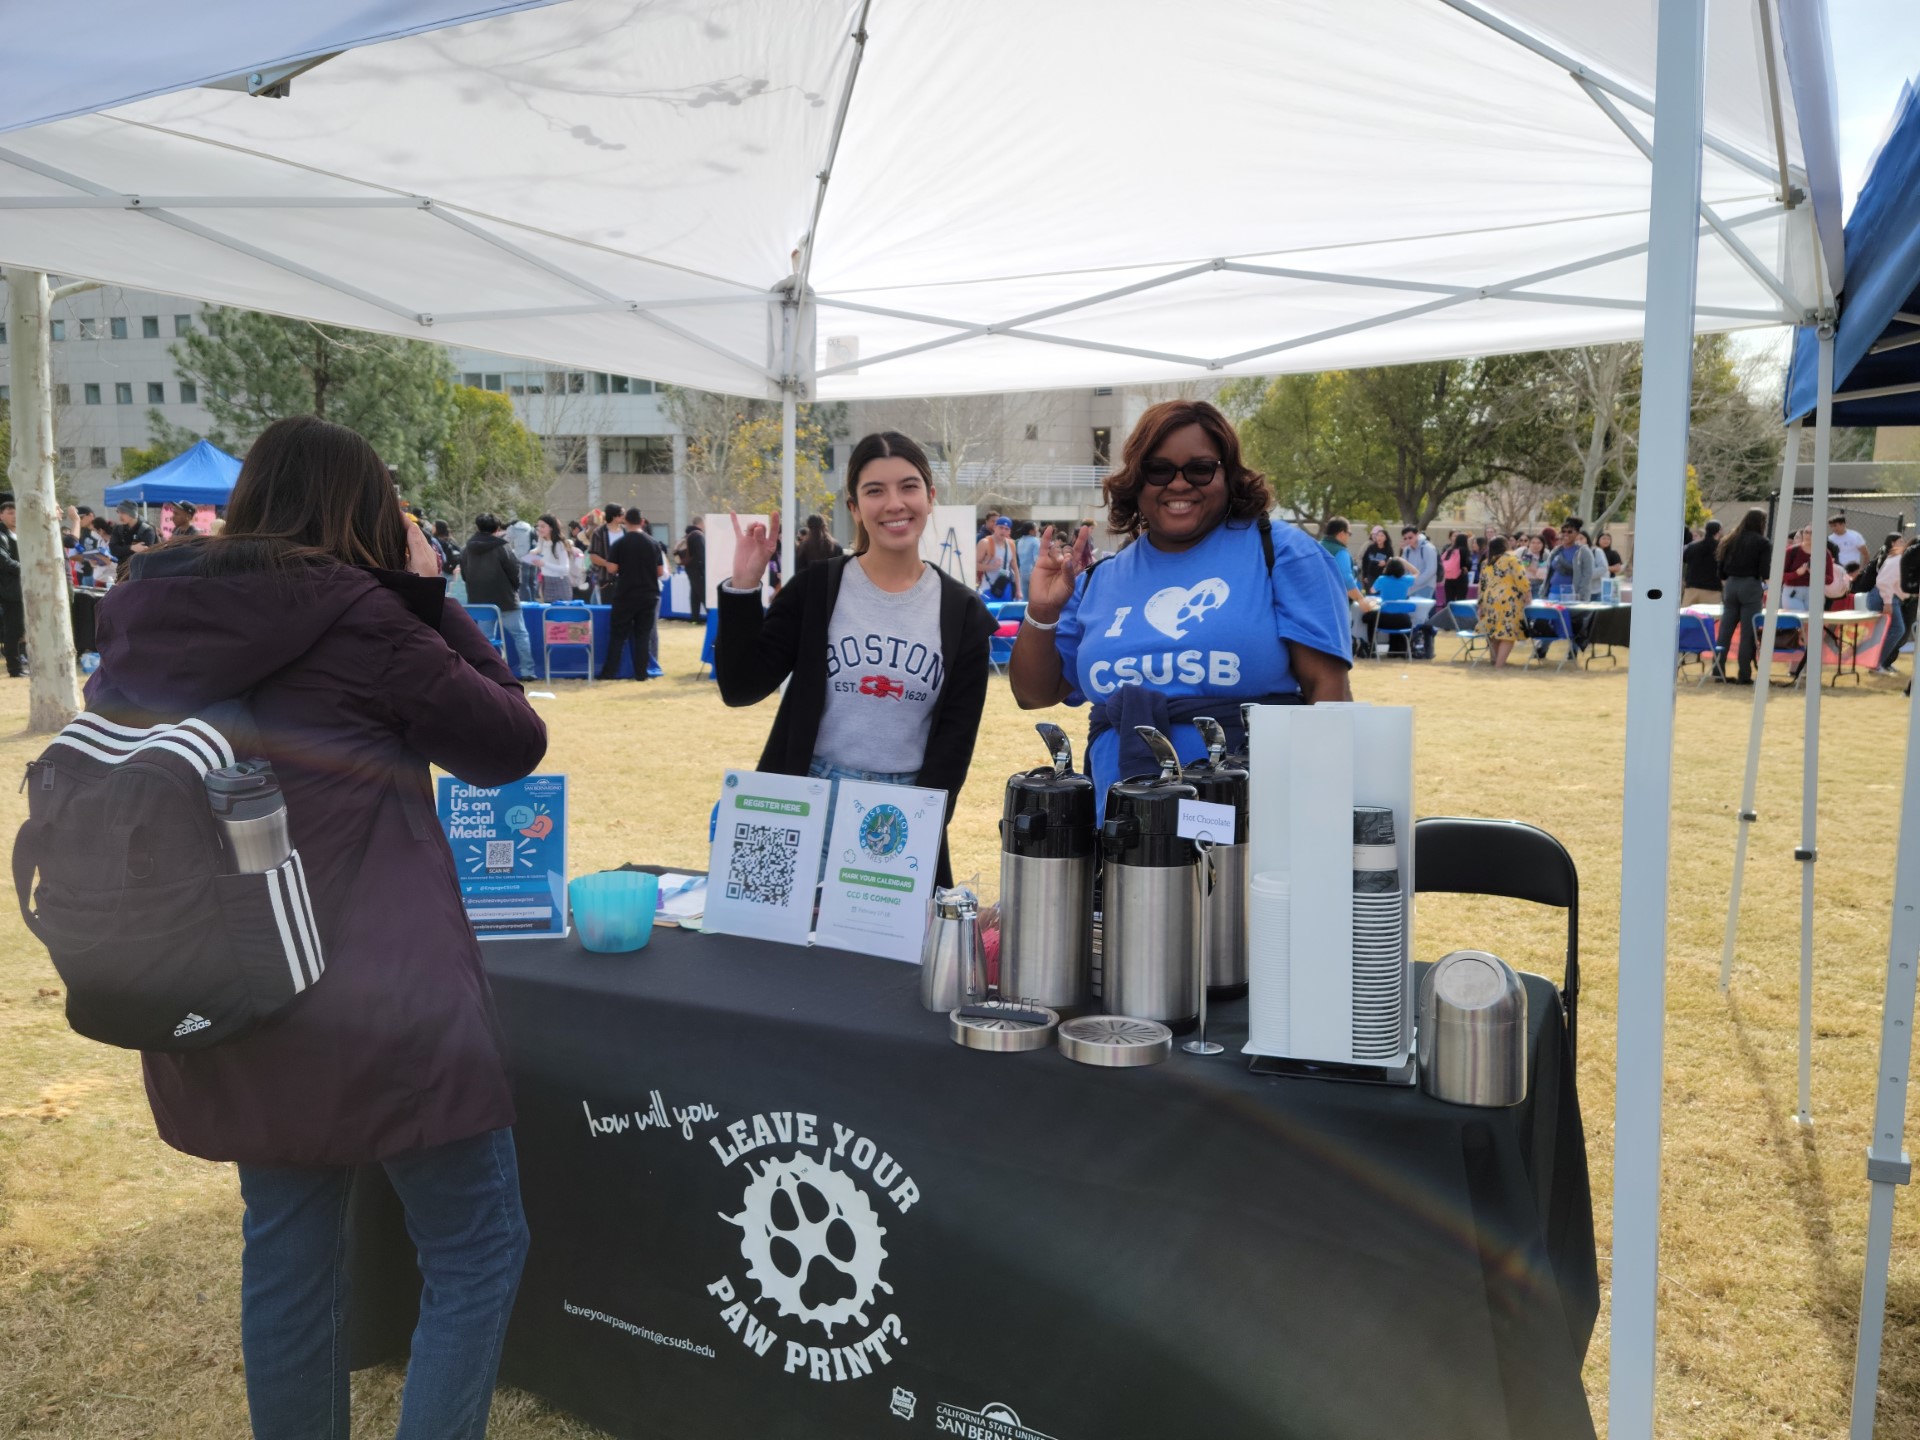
(881, 860)
(766, 855)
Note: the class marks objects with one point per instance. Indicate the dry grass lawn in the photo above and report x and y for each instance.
(119, 1259)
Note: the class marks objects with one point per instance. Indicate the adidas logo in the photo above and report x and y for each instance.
(190, 1024)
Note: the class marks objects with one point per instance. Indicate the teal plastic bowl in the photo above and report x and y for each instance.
(614, 910)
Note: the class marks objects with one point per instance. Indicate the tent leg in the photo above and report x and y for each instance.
(53, 690)
(1666, 394)
(788, 412)
(1816, 648)
(1887, 1163)
(1749, 788)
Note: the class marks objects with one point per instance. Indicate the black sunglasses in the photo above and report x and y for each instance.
(1199, 472)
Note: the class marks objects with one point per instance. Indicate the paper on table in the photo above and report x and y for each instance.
(681, 896)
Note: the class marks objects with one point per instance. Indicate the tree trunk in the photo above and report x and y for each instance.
(1595, 459)
(53, 692)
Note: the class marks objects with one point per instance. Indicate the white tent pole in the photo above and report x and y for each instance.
(53, 689)
(1815, 666)
(788, 503)
(1665, 404)
(1887, 1161)
(1756, 726)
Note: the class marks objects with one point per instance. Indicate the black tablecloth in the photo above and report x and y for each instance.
(1171, 1252)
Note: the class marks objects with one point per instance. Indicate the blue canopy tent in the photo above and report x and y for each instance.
(1872, 377)
(203, 475)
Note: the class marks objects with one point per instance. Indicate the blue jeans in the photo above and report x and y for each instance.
(821, 770)
(513, 627)
(1896, 628)
(463, 1212)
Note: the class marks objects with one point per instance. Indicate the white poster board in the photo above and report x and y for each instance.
(720, 553)
(948, 541)
(765, 860)
(881, 859)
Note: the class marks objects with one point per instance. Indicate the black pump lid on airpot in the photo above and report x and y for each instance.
(1143, 822)
(1048, 815)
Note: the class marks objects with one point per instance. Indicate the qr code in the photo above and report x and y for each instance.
(765, 859)
(500, 855)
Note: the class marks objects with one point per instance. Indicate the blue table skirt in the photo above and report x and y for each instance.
(570, 664)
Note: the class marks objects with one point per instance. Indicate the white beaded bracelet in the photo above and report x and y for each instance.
(1038, 624)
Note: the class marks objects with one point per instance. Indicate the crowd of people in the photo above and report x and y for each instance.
(1731, 569)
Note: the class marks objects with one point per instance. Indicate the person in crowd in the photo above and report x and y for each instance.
(815, 545)
(1570, 566)
(1505, 591)
(1026, 550)
(1851, 543)
(1373, 559)
(1860, 579)
(1419, 553)
(554, 556)
(1616, 564)
(13, 613)
(1456, 569)
(519, 534)
(1598, 556)
(1480, 543)
(443, 537)
(1700, 568)
(636, 564)
(1745, 554)
(987, 523)
(1549, 539)
(492, 574)
(131, 535)
(1184, 621)
(997, 564)
(696, 543)
(604, 536)
(1796, 580)
(324, 607)
(182, 516)
(1535, 559)
(1334, 536)
(1910, 585)
(884, 657)
(1887, 596)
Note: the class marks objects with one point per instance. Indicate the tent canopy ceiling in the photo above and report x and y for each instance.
(1258, 188)
(1876, 348)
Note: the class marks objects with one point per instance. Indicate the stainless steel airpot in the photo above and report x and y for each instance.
(1047, 858)
(1221, 781)
(1150, 941)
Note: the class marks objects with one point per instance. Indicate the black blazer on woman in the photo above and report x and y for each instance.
(756, 649)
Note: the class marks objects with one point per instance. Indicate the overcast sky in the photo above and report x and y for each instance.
(1876, 47)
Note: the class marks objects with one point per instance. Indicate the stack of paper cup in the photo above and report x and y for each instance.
(1379, 940)
(1270, 964)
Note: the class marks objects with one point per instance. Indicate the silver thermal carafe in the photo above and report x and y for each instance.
(953, 966)
(1150, 942)
(1047, 857)
(1219, 781)
(252, 815)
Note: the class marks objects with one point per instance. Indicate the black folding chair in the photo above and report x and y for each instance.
(1453, 855)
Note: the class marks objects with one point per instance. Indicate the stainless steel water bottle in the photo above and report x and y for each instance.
(1047, 857)
(1150, 945)
(252, 815)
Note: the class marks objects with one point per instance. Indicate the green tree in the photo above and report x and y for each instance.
(165, 441)
(1298, 431)
(733, 449)
(253, 369)
(487, 460)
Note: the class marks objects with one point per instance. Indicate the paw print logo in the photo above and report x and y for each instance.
(811, 1239)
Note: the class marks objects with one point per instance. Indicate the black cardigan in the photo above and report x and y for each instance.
(756, 649)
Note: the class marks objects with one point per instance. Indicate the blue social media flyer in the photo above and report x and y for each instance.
(510, 850)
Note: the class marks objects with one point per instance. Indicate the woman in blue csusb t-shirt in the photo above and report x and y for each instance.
(1211, 605)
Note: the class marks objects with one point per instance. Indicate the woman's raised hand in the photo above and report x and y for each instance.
(753, 550)
(1055, 569)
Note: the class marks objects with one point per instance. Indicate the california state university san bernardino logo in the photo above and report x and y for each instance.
(812, 1225)
(883, 831)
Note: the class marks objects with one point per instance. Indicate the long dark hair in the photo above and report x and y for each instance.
(556, 537)
(814, 543)
(881, 445)
(1754, 522)
(309, 493)
(1247, 495)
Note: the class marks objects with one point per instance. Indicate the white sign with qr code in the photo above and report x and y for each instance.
(765, 864)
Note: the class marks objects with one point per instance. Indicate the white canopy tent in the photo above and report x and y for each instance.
(839, 198)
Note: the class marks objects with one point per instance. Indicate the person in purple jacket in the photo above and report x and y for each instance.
(321, 603)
